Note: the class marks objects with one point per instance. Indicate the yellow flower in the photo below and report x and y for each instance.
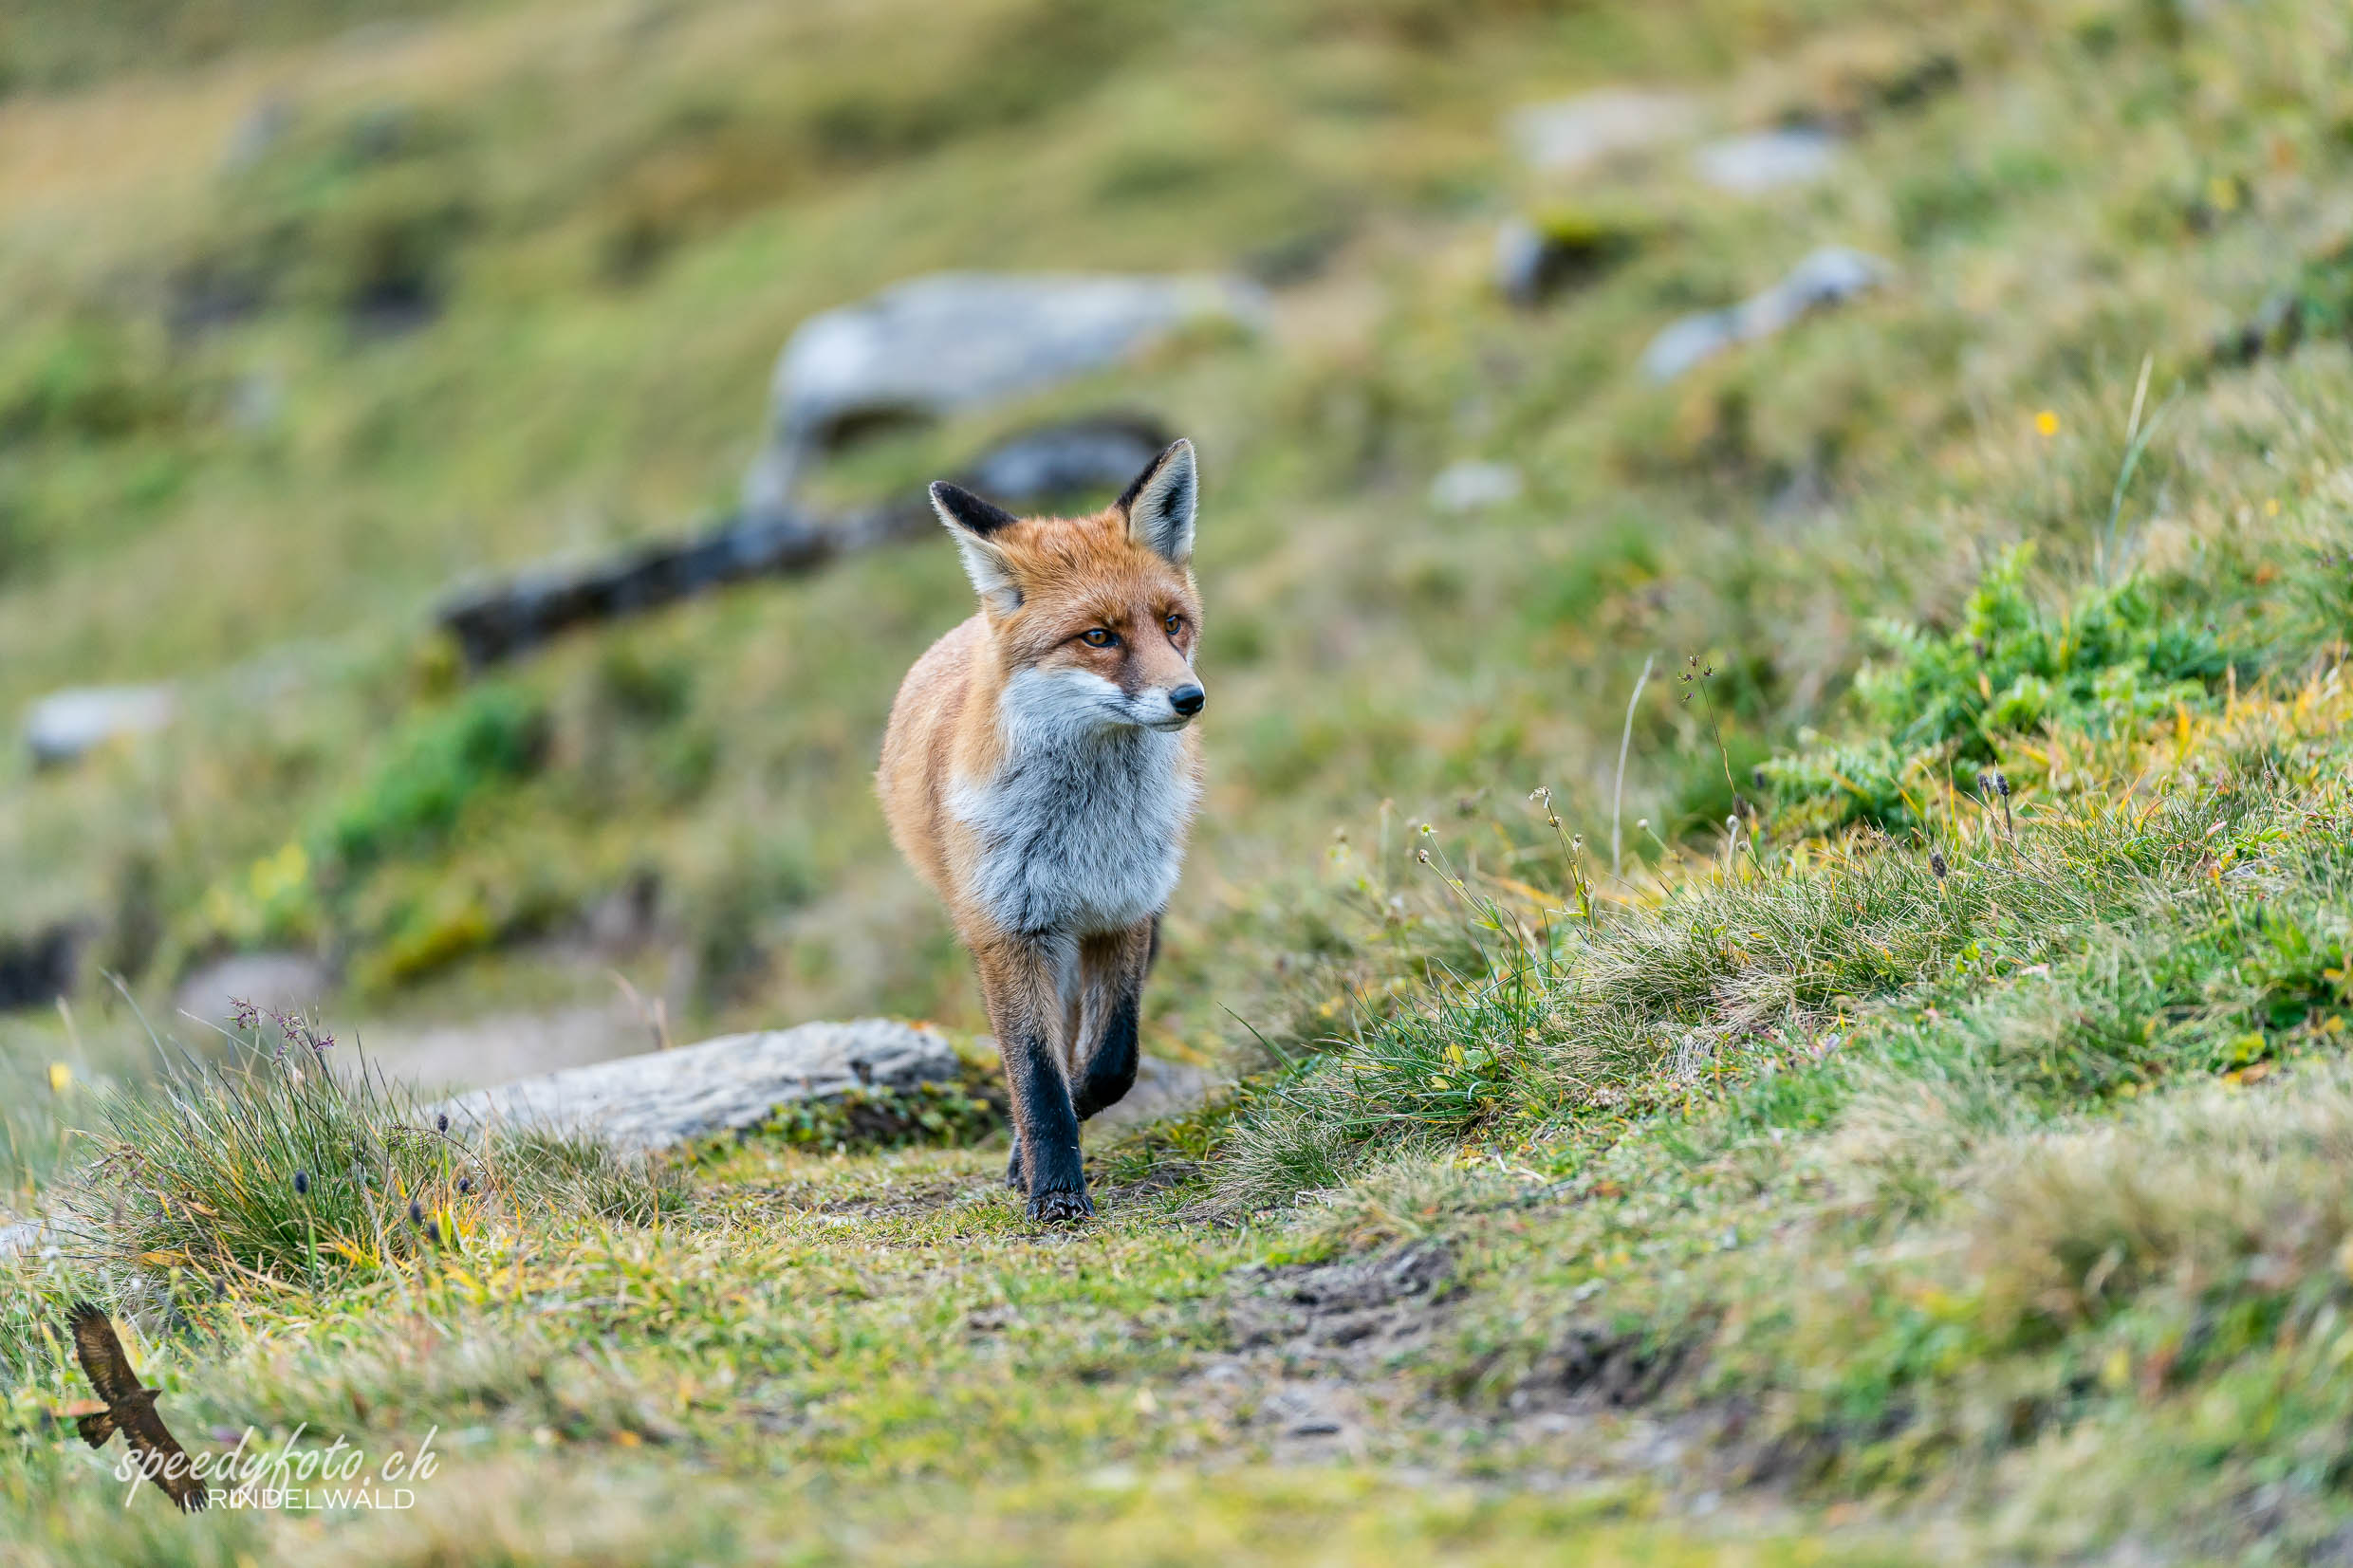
(2047, 424)
(61, 1077)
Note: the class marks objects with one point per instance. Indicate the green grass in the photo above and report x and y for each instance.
(768, 166)
(1883, 1167)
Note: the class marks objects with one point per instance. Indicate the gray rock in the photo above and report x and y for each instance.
(66, 725)
(1830, 276)
(282, 982)
(1535, 258)
(1521, 257)
(257, 401)
(1767, 160)
(1060, 461)
(1470, 485)
(1576, 133)
(663, 1098)
(957, 340)
(256, 131)
(1161, 1089)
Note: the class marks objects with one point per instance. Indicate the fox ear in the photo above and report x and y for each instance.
(1161, 504)
(973, 524)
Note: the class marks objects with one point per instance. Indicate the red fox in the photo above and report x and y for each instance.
(1040, 773)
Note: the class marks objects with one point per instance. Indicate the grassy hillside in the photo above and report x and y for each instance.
(331, 326)
(1926, 1141)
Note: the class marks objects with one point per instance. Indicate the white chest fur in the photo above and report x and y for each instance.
(1082, 828)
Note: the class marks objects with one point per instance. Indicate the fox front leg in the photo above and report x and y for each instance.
(1104, 1046)
(1113, 969)
(1018, 978)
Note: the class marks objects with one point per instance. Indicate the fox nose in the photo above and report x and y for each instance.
(1187, 699)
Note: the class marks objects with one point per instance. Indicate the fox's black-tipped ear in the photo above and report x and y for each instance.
(1162, 503)
(972, 524)
(960, 509)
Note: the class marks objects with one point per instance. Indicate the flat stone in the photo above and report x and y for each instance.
(66, 725)
(663, 1098)
(1471, 486)
(957, 340)
(1162, 1089)
(1576, 133)
(1767, 160)
(1830, 276)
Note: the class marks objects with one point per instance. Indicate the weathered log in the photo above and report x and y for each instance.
(1049, 462)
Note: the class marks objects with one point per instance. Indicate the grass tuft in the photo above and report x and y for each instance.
(285, 1165)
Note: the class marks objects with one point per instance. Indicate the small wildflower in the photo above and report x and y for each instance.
(433, 1231)
(417, 1212)
(242, 1013)
(1422, 854)
(2047, 424)
(302, 1183)
(442, 1123)
(465, 1184)
(1936, 863)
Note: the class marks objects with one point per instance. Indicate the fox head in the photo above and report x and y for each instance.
(1095, 619)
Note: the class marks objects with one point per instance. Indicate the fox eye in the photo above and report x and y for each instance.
(1175, 624)
(1097, 637)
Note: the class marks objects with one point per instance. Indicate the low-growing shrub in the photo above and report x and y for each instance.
(492, 735)
(2107, 662)
(950, 1115)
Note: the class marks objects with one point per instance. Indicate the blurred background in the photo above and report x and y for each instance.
(1525, 344)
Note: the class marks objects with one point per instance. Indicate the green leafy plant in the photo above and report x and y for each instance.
(493, 735)
(947, 1114)
(2110, 660)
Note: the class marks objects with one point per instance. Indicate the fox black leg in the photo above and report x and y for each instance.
(1049, 1141)
(1019, 979)
(1113, 969)
(1111, 1071)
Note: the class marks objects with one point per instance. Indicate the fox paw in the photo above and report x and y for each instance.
(1060, 1208)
